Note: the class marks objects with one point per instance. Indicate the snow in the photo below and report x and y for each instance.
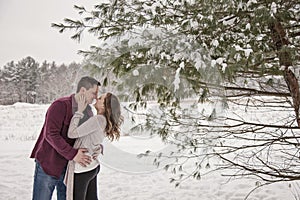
(247, 51)
(135, 72)
(248, 26)
(250, 2)
(215, 43)
(273, 8)
(123, 175)
(177, 79)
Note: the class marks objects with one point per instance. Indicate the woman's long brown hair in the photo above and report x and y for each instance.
(113, 116)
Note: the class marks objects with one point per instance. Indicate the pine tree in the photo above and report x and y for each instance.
(238, 52)
(12, 80)
(27, 80)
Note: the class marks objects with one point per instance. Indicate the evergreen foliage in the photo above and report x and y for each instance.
(223, 53)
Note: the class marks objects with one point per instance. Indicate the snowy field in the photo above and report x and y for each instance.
(21, 123)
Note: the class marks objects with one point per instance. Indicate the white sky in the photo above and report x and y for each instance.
(25, 30)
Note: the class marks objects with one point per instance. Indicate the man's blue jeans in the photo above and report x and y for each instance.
(44, 185)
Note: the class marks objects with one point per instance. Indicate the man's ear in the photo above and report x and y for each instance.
(82, 90)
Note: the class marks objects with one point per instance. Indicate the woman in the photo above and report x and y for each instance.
(81, 181)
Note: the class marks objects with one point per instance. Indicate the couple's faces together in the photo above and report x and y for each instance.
(91, 94)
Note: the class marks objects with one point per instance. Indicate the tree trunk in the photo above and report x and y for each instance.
(280, 40)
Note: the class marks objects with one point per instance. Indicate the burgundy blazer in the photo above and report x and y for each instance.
(53, 148)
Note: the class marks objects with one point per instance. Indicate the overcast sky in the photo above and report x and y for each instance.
(25, 30)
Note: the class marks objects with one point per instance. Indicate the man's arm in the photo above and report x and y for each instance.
(55, 120)
(54, 124)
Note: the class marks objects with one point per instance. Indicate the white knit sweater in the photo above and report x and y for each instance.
(89, 135)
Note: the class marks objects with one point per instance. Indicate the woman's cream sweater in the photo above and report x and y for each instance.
(89, 135)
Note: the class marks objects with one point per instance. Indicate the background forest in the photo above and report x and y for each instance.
(31, 82)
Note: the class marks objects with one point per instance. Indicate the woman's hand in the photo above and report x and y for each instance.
(97, 151)
(81, 103)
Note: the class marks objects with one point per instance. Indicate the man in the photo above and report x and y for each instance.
(53, 148)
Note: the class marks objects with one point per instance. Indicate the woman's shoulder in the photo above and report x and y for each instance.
(100, 117)
(97, 118)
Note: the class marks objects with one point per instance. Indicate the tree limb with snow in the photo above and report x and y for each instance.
(219, 71)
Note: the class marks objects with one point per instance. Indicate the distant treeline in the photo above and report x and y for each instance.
(31, 82)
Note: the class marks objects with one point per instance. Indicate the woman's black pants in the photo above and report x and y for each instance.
(85, 185)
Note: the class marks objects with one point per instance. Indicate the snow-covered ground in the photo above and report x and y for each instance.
(21, 123)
